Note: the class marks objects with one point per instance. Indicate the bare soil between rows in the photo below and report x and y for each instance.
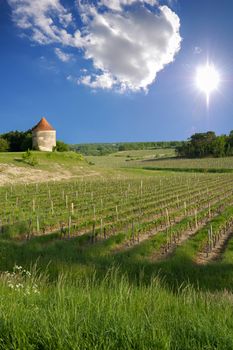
(217, 251)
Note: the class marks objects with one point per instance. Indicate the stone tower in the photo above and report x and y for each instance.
(43, 136)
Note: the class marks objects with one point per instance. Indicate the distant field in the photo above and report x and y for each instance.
(127, 158)
(159, 159)
(206, 163)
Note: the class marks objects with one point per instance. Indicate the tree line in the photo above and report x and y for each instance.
(198, 146)
(100, 149)
(16, 141)
(21, 141)
(207, 144)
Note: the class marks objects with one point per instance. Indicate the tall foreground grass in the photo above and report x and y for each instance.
(114, 313)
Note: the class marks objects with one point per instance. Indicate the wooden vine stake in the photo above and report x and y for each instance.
(211, 236)
(167, 216)
(177, 200)
(207, 251)
(101, 227)
(33, 205)
(133, 231)
(209, 210)
(185, 208)
(52, 211)
(37, 225)
(69, 227)
(29, 229)
(117, 213)
(196, 221)
(66, 201)
(72, 208)
(167, 234)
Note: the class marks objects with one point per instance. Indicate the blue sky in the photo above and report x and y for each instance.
(46, 73)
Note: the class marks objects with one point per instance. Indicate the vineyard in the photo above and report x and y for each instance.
(104, 208)
(205, 164)
(127, 262)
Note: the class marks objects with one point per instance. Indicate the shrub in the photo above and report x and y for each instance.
(29, 158)
(61, 147)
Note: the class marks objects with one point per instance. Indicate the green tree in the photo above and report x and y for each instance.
(4, 145)
(219, 146)
(18, 141)
(62, 147)
(199, 145)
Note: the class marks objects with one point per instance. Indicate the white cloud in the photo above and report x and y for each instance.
(119, 4)
(128, 41)
(63, 56)
(103, 81)
(132, 46)
(47, 21)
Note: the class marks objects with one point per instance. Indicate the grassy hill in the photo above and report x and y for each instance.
(42, 166)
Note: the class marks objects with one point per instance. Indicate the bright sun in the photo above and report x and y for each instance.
(207, 79)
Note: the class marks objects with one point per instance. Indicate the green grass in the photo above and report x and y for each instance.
(45, 159)
(113, 314)
(70, 164)
(128, 158)
(84, 301)
(92, 296)
(161, 159)
(204, 164)
(227, 257)
(43, 166)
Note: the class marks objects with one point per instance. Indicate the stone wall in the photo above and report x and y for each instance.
(44, 140)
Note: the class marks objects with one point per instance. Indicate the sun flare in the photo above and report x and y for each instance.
(207, 79)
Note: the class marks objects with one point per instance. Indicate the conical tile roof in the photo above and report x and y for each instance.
(43, 125)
